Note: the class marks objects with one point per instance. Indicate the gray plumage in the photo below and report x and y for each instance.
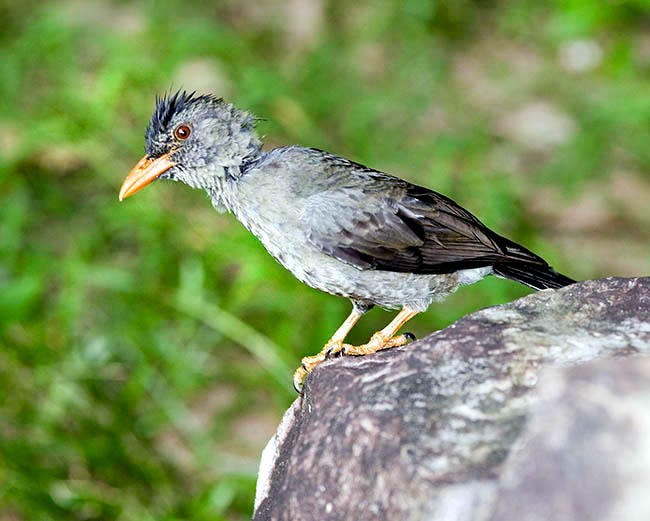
(338, 226)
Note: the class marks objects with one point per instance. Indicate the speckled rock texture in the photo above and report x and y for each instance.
(456, 427)
(585, 452)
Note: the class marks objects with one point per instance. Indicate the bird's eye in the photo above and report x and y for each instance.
(182, 132)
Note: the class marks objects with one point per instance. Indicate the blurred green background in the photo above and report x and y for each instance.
(146, 348)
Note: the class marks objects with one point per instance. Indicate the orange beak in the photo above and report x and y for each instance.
(143, 173)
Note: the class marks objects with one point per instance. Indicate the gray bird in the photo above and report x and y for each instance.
(338, 226)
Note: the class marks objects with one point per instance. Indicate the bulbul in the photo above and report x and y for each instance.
(338, 226)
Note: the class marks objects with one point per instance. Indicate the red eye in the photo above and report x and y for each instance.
(182, 132)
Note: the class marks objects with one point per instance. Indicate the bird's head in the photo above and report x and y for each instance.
(199, 140)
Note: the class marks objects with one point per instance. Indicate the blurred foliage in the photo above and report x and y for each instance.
(146, 348)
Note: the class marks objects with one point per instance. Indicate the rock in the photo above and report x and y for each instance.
(585, 451)
(454, 427)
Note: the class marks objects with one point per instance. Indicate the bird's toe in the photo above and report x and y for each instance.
(334, 349)
(297, 381)
(306, 366)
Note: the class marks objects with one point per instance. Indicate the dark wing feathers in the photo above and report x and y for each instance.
(362, 236)
(383, 223)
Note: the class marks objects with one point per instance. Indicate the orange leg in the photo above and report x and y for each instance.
(333, 346)
(383, 339)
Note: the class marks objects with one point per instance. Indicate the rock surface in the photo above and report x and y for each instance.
(455, 426)
(585, 452)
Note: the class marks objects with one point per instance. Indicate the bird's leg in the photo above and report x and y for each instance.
(386, 338)
(332, 347)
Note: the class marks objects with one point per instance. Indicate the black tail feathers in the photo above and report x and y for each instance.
(533, 275)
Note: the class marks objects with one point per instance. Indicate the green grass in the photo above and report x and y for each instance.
(146, 348)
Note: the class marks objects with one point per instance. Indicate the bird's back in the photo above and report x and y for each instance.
(338, 225)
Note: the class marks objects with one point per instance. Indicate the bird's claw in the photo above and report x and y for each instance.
(297, 382)
(306, 366)
(299, 377)
(338, 349)
(335, 351)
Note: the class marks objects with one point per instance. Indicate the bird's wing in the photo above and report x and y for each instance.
(376, 221)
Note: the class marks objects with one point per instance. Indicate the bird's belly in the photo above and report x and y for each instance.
(390, 290)
(387, 289)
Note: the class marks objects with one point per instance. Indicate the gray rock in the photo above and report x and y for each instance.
(585, 452)
(452, 427)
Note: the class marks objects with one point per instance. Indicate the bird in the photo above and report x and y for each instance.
(338, 226)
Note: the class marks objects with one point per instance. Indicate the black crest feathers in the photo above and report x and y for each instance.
(170, 104)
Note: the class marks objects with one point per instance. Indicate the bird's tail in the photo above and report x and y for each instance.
(533, 275)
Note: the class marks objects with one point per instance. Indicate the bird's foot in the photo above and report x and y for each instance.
(378, 342)
(333, 348)
(306, 367)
